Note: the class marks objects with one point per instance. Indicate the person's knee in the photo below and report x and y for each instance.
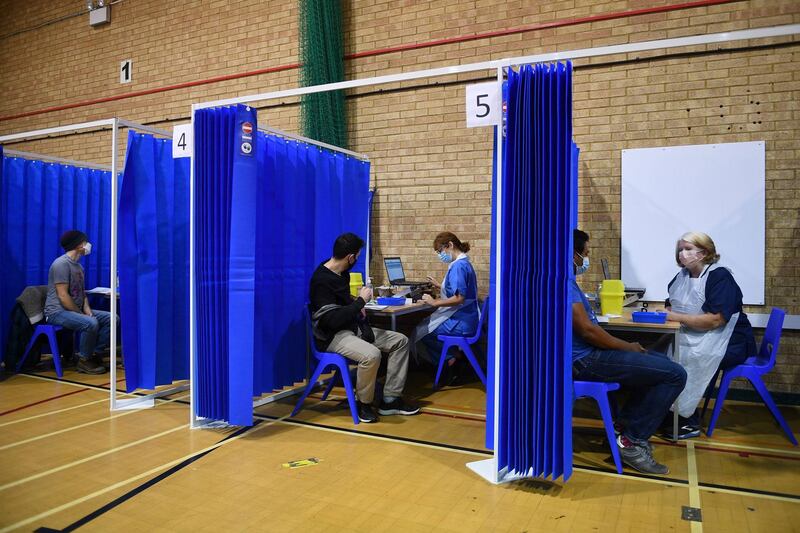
(371, 357)
(679, 374)
(91, 324)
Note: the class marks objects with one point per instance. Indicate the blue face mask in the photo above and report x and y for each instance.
(445, 257)
(583, 267)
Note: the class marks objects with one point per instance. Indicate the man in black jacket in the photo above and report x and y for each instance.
(340, 326)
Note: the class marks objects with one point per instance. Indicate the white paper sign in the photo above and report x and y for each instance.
(126, 71)
(182, 141)
(483, 104)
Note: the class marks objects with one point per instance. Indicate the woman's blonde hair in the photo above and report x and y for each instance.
(702, 241)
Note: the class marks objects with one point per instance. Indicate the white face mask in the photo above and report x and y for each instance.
(87, 248)
(583, 267)
(689, 257)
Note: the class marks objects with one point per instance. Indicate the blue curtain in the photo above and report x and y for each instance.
(306, 198)
(538, 204)
(153, 253)
(266, 218)
(38, 202)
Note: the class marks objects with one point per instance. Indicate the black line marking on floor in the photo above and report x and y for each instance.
(144, 486)
(709, 486)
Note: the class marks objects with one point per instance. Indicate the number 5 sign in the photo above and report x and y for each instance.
(483, 104)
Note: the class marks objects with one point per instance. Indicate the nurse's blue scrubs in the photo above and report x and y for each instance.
(461, 279)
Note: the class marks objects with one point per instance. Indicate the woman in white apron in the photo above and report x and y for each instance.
(707, 302)
(457, 307)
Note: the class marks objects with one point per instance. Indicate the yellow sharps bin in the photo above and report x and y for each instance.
(356, 282)
(612, 295)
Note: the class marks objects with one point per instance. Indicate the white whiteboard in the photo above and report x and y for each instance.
(714, 188)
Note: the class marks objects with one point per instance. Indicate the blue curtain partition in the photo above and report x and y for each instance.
(153, 252)
(38, 202)
(539, 195)
(267, 211)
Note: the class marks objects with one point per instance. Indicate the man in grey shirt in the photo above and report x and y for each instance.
(68, 307)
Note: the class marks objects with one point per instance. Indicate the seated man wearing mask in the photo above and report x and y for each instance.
(652, 380)
(68, 307)
(339, 324)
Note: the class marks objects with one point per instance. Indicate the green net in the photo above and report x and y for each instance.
(323, 115)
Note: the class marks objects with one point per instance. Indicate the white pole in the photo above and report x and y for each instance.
(192, 314)
(113, 273)
(498, 278)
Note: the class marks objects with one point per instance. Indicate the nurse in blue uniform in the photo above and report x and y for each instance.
(457, 306)
(716, 333)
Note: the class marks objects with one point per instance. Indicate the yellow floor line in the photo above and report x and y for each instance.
(694, 489)
(79, 426)
(745, 447)
(90, 458)
(53, 412)
(476, 416)
(115, 486)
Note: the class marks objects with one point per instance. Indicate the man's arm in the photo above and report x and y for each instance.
(597, 336)
(86, 309)
(66, 299)
(336, 319)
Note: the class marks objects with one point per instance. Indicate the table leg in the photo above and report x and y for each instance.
(675, 357)
(394, 322)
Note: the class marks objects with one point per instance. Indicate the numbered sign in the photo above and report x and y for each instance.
(483, 104)
(126, 71)
(182, 141)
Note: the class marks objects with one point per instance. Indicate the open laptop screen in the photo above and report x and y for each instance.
(394, 268)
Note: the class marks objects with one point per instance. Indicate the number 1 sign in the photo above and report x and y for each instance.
(483, 104)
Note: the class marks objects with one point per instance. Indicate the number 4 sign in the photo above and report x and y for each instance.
(182, 141)
(483, 104)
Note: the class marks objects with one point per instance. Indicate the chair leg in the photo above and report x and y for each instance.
(351, 397)
(608, 422)
(51, 335)
(311, 384)
(34, 337)
(442, 359)
(474, 362)
(331, 384)
(721, 394)
(709, 393)
(767, 397)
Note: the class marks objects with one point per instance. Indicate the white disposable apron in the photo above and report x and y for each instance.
(700, 351)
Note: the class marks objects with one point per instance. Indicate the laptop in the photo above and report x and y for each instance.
(396, 274)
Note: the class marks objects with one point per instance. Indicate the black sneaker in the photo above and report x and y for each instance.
(397, 407)
(684, 432)
(640, 458)
(88, 366)
(366, 413)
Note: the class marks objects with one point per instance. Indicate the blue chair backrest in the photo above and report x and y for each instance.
(484, 311)
(310, 331)
(772, 338)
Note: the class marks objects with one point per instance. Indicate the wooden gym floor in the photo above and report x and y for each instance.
(68, 463)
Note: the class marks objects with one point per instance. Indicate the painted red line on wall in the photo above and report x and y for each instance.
(381, 51)
(561, 23)
(20, 408)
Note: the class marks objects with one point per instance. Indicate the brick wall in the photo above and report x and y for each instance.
(431, 172)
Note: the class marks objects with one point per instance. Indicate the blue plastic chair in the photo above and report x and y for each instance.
(49, 331)
(752, 369)
(328, 359)
(464, 344)
(599, 391)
